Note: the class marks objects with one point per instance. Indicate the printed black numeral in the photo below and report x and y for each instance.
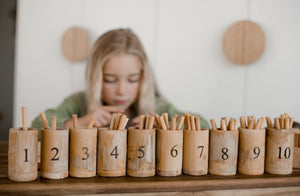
(115, 152)
(142, 151)
(54, 157)
(202, 147)
(26, 155)
(174, 152)
(85, 153)
(287, 152)
(256, 151)
(224, 155)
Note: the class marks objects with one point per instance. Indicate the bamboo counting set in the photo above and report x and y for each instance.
(143, 151)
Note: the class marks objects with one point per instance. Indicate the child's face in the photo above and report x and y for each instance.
(121, 80)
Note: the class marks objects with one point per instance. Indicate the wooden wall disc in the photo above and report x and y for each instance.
(243, 42)
(75, 44)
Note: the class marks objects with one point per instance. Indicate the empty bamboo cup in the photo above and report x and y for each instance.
(223, 152)
(112, 151)
(169, 149)
(54, 153)
(279, 151)
(141, 152)
(195, 152)
(22, 154)
(251, 159)
(83, 146)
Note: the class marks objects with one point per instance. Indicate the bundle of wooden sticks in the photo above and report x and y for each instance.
(191, 122)
(118, 122)
(163, 122)
(284, 122)
(251, 122)
(231, 126)
(146, 122)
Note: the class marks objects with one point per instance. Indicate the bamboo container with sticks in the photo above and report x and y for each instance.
(22, 152)
(141, 148)
(169, 146)
(251, 146)
(195, 147)
(83, 146)
(54, 150)
(112, 148)
(280, 146)
(223, 148)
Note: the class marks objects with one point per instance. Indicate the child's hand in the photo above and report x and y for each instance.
(101, 114)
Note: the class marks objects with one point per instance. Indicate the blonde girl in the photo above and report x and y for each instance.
(118, 79)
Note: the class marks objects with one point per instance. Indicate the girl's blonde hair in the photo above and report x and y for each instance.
(111, 43)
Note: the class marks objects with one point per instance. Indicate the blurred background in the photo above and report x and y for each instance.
(183, 40)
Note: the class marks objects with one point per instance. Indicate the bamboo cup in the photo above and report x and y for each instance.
(296, 160)
(223, 152)
(195, 152)
(141, 152)
(22, 154)
(54, 153)
(83, 145)
(169, 152)
(251, 151)
(112, 150)
(279, 151)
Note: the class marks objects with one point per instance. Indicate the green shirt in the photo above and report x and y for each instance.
(76, 104)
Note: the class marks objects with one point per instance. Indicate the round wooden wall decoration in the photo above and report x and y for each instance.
(75, 44)
(243, 42)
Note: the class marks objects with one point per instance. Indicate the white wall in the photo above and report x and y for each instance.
(183, 40)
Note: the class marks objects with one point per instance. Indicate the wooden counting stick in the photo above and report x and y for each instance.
(24, 118)
(147, 119)
(269, 122)
(282, 121)
(121, 122)
(213, 124)
(53, 123)
(162, 123)
(44, 120)
(251, 123)
(192, 121)
(112, 122)
(151, 122)
(166, 120)
(91, 123)
(157, 121)
(125, 122)
(198, 125)
(173, 123)
(225, 121)
(262, 122)
(242, 122)
(291, 122)
(188, 122)
(186, 117)
(277, 124)
(286, 122)
(180, 122)
(141, 124)
(223, 125)
(117, 121)
(75, 121)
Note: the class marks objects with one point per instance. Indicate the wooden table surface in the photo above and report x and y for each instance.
(288, 184)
